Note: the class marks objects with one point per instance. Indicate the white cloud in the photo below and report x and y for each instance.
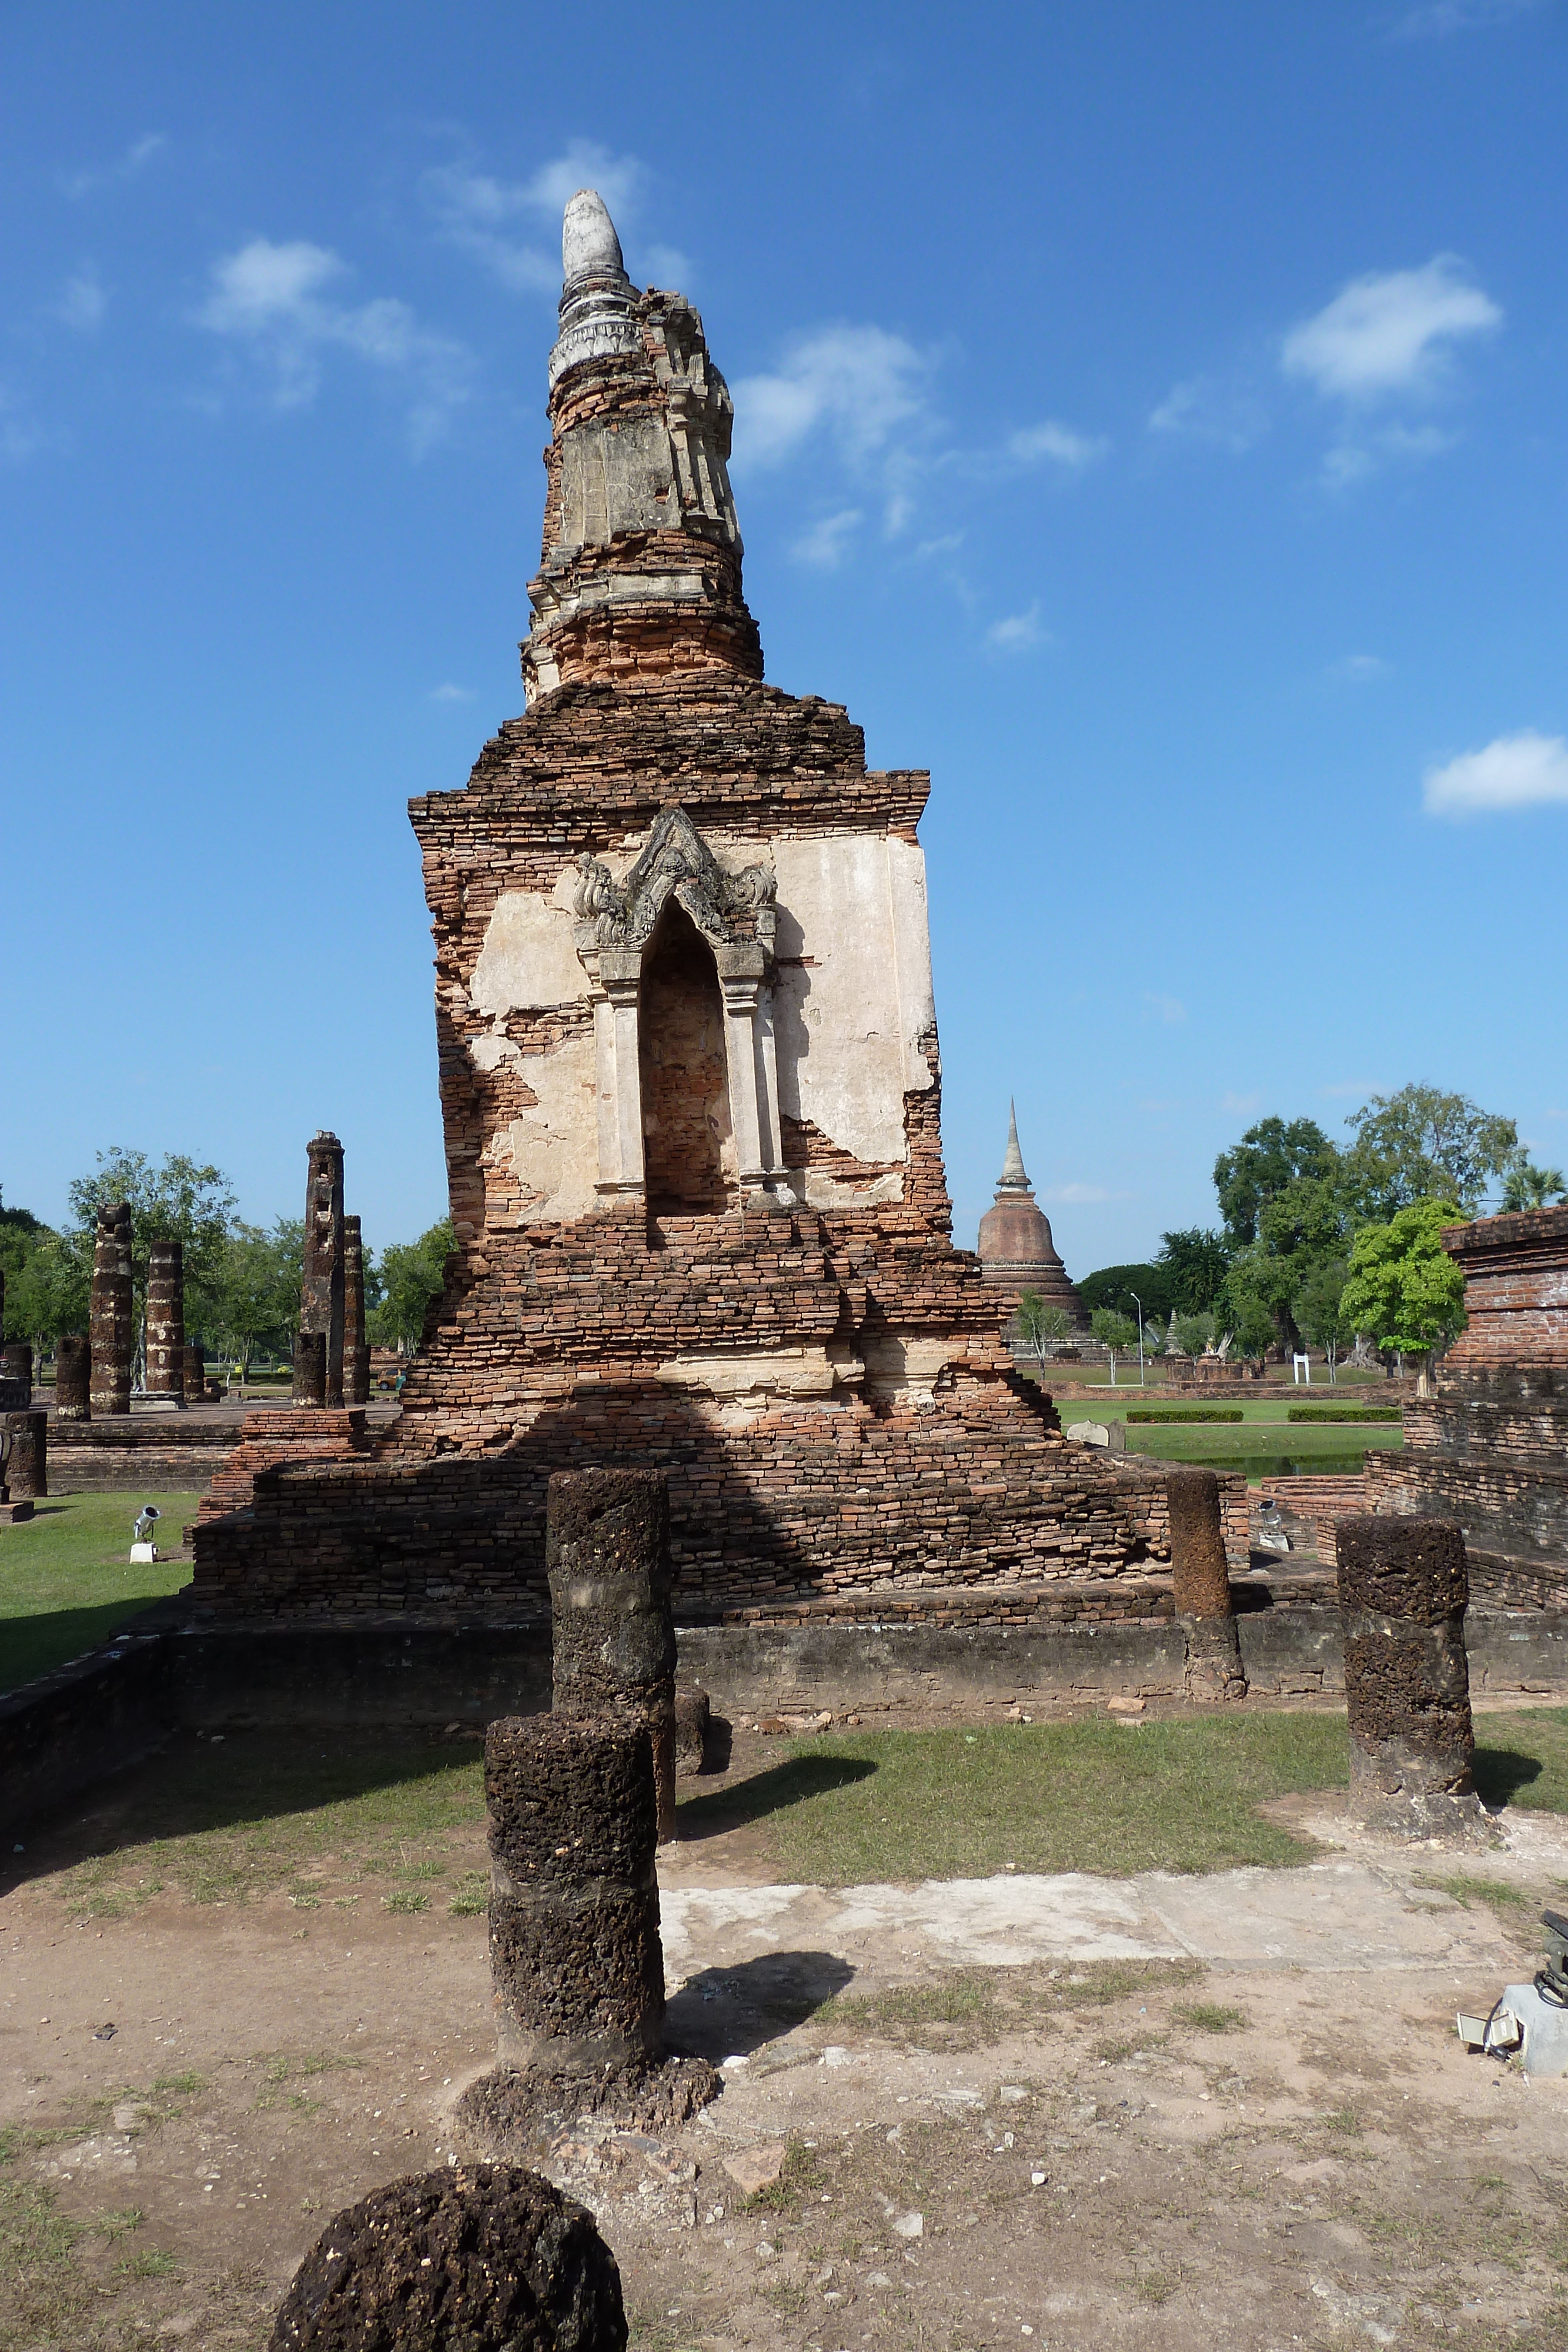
(449, 693)
(125, 167)
(1360, 669)
(1019, 632)
(1166, 1008)
(274, 298)
(1058, 443)
(1241, 1104)
(1206, 408)
(482, 214)
(858, 385)
(82, 301)
(1514, 771)
(1389, 333)
(825, 543)
(1436, 19)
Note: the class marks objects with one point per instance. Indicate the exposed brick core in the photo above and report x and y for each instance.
(686, 1087)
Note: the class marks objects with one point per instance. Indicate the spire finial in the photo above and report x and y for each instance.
(596, 320)
(1012, 1178)
(589, 245)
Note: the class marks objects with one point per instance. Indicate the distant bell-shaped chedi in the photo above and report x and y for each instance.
(1017, 1252)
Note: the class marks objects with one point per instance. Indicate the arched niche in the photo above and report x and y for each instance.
(687, 1134)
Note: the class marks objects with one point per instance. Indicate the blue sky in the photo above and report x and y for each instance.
(1150, 419)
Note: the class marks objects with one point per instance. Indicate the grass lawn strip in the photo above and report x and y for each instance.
(67, 1581)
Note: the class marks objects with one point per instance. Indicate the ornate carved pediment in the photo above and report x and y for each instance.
(726, 908)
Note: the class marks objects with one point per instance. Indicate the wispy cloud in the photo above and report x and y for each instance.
(1019, 633)
(21, 433)
(278, 302)
(1513, 772)
(449, 693)
(140, 153)
(513, 226)
(860, 385)
(1208, 408)
(81, 302)
(1360, 669)
(1389, 333)
(1166, 1008)
(1435, 20)
(826, 542)
(1241, 1104)
(1057, 445)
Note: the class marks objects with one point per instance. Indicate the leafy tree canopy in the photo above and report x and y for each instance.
(1195, 1261)
(1404, 1287)
(1422, 1144)
(412, 1274)
(1114, 1287)
(1270, 1157)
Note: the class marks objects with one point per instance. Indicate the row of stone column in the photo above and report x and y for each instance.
(331, 1357)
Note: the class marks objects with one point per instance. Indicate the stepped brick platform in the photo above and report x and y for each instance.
(1490, 1448)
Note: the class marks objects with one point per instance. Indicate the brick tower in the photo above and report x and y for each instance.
(691, 1086)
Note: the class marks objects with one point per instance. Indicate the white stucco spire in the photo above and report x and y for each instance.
(596, 322)
(1012, 1178)
(589, 245)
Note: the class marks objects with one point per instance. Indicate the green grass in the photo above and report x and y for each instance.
(1086, 1795)
(66, 1578)
(259, 1814)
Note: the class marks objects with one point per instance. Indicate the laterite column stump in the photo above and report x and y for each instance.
(576, 1961)
(1200, 1577)
(1403, 1586)
(607, 1551)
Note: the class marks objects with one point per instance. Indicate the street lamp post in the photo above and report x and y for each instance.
(1139, 1305)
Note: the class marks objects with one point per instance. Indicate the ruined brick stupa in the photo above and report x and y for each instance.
(1017, 1252)
(690, 1081)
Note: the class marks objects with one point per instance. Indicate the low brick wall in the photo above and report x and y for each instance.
(162, 1451)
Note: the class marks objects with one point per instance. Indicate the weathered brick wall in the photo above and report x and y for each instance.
(161, 1452)
(1320, 1498)
(1516, 1290)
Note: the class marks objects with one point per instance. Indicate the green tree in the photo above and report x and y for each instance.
(1117, 1333)
(1270, 1157)
(412, 1274)
(1422, 1144)
(1194, 1333)
(22, 1238)
(51, 1292)
(1525, 1186)
(1038, 1325)
(253, 1297)
(1319, 1313)
(1193, 1262)
(1119, 1287)
(180, 1200)
(1404, 1287)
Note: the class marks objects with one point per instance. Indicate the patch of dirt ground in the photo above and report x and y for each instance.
(1070, 2152)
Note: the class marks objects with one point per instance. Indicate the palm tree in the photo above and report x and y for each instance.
(1527, 1187)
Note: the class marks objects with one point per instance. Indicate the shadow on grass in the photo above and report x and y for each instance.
(32, 1647)
(256, 1781)
(1502, 1772)
(723, 2012)
(767, 1793)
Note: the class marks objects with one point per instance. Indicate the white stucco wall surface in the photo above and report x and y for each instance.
(554, 1147)
(527, 960)
(849, 1013)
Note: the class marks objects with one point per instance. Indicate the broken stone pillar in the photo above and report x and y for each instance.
(166, 1320)
(310, 1367)
(195, 1376)
(1200, 1577)
(17, 1370)
(692, 1716)
(27, 1463)
(111, 1320)
(1403, 1586)
(321, 1283)
(73, 1376)
(452, 2262)
(606, 1552)
(356, 1354)
(576, 1964)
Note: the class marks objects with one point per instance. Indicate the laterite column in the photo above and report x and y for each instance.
(28, 1471)
(166, 1320)
(607, 1551)
(196, 1373)
(113, 1330)
(1200, 1577)
(355, 1355)
(1403, 1586)
(310, 1367)
(73, 1376)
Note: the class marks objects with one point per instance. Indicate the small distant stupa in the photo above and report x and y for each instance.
(1017, 1252)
